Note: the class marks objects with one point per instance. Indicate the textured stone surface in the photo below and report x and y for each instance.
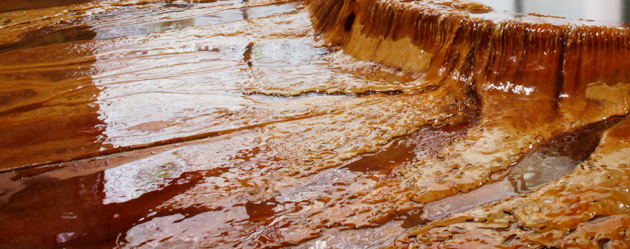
(376, 123)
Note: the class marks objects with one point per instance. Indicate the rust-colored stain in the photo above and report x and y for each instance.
(316, 124)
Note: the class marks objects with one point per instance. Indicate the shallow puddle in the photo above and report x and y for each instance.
(9, 5)
(72, 209)
(122, 203)
(223, 16)
(543, 165)
(408, 150)
(43, 37)
(236, 124)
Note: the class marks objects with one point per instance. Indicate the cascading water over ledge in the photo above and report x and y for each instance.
(316, 124)
(532, 77)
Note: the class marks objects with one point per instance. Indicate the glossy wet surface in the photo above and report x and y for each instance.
(236, 124)
(178, 140)
(114, 201)
(120, 201)
(545, 164)
(536, 78)
(8, 5)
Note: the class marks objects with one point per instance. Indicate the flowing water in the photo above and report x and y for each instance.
(245, 124)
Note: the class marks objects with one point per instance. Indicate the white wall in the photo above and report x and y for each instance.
(501, 5)
(600, 10)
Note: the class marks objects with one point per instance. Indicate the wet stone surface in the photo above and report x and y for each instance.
(271, 124)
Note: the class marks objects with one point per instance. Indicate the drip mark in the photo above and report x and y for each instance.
(247, 55)
(349, 22)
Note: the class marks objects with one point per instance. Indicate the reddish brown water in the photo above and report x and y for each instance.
(81, 33)
(8, 5)
(545, 164)
(77, 206)
(238, 124)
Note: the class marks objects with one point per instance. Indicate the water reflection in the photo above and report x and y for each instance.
(74, 211)
(110, 29)
(180, 3)
(11, 5)
(47, 114)
(172, 91)
(546, 164)
(127, 199)
(223, 16)
(599, 10)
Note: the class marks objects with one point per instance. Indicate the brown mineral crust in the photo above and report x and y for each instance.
(234, 155)
(534, 79)
(43, 84)
(279, 170)
(39, 27)
(345, 78)
(76, 73)
(589, 208)
(545, 63)
(511, 63)
(368, 202)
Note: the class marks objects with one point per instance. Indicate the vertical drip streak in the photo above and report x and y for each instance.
(553, 64)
